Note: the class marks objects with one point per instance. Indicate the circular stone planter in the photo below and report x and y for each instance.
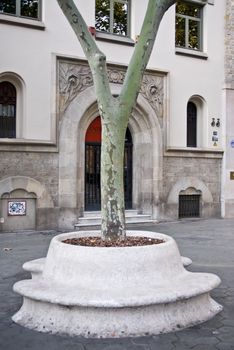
(114, 292)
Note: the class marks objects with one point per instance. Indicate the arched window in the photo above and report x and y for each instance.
(7, 110)
(191, 125)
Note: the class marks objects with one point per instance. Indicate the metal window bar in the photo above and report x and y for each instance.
(92, 175)
(189, 206)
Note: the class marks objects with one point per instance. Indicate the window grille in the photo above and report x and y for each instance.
(189, 206)
(93, 167)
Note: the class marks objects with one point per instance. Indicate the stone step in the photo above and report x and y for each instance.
(89, 214)
(95, 219)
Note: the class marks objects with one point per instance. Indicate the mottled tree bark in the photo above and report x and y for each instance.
(115, 111)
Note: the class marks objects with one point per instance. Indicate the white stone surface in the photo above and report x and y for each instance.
(95, 291)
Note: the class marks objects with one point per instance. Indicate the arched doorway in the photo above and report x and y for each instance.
(93, 167)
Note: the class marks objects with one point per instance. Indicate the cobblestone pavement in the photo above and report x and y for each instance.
(209, 243)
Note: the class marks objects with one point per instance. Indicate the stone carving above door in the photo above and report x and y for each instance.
(75, 77)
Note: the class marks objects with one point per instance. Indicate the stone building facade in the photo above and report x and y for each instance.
(228, 91)
(45, 167)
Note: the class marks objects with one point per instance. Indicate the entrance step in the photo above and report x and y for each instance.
(93, 218)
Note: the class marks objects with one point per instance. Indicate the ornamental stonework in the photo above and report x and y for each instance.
(74, 78)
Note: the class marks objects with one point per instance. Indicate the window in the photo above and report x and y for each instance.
(188, 31)
(191, 125)
(21, 8)
(189, 206)
(7, 110)
(112, 16)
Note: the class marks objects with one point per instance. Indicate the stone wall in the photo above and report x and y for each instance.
(35, 173)
(42, 167)
(229, 44)
(202, 174)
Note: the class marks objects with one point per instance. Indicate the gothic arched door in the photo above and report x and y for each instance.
(93, 165)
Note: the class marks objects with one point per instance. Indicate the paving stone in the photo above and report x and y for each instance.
(104, 346)
(195, 339)
(164, 341)
(201, 240)
(204, 347)
(225, 346)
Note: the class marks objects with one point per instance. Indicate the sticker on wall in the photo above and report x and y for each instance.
(232, 143)
(16, 208)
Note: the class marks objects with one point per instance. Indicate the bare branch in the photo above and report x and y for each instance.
(143, 49)
(96, 59)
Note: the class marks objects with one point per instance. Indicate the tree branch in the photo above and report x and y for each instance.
(142, 52)
(96, 59)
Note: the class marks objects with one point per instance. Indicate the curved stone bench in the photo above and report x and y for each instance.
(35, 267)
(109, 292)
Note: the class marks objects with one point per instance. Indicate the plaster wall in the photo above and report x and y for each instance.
(30, 54)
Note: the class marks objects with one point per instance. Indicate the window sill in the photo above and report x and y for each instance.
(24, 22)
(191, 53)
(194, 152)
(22, 145)
(116, 39)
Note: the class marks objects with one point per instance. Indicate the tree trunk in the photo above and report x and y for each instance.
(115, 112)
(112, 182)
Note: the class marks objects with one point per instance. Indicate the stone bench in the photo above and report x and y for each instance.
(114, 292)
(35, 267)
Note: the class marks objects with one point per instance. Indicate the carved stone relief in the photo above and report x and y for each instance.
(76, 77)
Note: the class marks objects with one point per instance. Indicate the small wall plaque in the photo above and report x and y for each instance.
(231, 175)
(16, 208)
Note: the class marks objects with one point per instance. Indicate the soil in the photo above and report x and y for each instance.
(129, 241)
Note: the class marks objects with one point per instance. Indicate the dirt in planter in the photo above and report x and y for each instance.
(129, 241)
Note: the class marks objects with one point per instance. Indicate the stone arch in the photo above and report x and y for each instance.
(13, 183)
(147, 139)
(186, 183)
(19, 84)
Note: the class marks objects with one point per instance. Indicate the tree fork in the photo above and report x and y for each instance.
(114, 124)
